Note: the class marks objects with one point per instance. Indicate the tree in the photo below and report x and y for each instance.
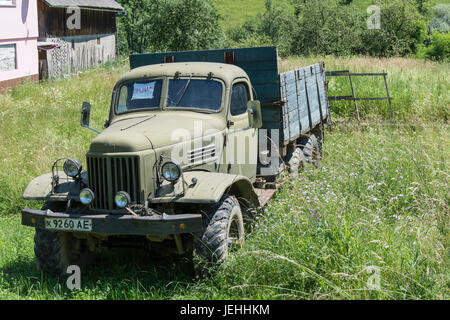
(325, 27)
(401, 33)
(169, 25)
(273, 27)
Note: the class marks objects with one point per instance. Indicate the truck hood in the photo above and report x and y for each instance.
(138, 133)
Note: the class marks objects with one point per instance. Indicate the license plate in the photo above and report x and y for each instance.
(68, 224)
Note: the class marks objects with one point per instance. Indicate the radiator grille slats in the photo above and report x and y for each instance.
(202, 154)
(108, 175)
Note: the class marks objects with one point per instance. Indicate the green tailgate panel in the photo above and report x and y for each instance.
(304, 94)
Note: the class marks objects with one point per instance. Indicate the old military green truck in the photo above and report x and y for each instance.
(194, 144)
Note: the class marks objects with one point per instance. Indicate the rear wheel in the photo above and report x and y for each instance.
(55, 251)
(223, 232)
(296, 162)
(311, 147)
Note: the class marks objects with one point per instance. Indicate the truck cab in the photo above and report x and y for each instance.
(190, 114)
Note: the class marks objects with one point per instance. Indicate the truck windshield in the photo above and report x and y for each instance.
(194, 93)
(139, 95)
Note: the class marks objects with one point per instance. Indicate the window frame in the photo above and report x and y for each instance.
(8, 3)
(16, 66)
(165, 107)
(249, 96)
(124, 83)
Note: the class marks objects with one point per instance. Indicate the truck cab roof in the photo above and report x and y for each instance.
(226, 72)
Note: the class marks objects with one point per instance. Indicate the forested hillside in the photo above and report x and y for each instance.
(416, 28)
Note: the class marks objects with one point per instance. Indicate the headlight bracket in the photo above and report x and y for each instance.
(57, 178)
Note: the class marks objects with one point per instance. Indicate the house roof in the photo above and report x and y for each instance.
(87, 4)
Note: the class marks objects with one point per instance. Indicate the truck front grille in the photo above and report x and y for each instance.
(108, 175)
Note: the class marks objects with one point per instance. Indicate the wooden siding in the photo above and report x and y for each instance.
(78, 53)
(53, 22)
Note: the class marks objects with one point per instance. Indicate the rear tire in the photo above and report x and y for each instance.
(55, 251)
(296, 162)
(223, 231)
(312, 149)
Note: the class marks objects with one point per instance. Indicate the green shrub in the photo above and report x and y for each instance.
(252, 40)
(329, 27)
(401, 32)
(325, 27)
(273, 27)
(172, 25)
(438, 48)
(247, 30)
(423, 6)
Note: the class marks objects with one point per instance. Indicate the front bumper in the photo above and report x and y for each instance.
(120, 224)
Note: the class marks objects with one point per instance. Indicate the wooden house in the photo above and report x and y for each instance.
(75, 35)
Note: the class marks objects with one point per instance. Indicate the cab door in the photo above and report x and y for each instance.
(241, 141)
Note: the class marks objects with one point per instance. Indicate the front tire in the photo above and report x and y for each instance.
(55, 251)
(223, 232)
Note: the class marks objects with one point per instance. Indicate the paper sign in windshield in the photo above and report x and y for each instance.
(143, 90)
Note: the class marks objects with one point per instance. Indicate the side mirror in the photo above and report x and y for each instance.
(85, 114)
(254, 114)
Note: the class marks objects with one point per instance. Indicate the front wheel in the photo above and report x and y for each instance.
(55, 251)
(223, 232)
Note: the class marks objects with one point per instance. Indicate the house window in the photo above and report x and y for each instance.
(8, 3)
(8, 60)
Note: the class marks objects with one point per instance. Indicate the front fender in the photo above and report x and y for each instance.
(210, 187)
(40, 188)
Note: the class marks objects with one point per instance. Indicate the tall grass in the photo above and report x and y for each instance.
(379, 201)
(39, 123)
(379, 204)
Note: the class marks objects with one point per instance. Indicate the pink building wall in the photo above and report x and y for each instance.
(19, 25)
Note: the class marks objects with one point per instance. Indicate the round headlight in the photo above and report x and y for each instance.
(122, 199)
(171, 171)
(86, 196)
(72, 167)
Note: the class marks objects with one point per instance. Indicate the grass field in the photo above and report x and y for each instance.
(378, 206)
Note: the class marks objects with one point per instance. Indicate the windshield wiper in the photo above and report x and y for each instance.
(184, 90)
(129, 118)
(135, 124)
